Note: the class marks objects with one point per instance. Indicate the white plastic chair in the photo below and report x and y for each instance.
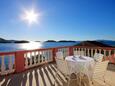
(99, 71)
(59, 55)
(63, 67)
(98, 57)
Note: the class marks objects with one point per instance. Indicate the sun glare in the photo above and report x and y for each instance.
(31, 45)
(30, 16)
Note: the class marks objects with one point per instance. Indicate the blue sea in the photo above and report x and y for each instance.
(9, 47)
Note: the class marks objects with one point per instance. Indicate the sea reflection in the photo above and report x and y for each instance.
(31, 45)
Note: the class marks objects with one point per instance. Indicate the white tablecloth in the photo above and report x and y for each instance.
(84, 64)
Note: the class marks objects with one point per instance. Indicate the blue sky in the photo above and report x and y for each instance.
(60, 20)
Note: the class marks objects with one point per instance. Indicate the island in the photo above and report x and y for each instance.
(66, 41)
(12, 41)
(50, 41)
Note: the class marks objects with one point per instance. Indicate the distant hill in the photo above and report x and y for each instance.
(22, 41)
(60, 41)
(5, 41)
(108, 42)
(66, 41)
(50, 41)
(12, 41)
(92, 44)
(1, 39)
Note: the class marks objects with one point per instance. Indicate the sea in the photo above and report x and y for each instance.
(9, 47)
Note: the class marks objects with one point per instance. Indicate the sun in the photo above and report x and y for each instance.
(30, 16)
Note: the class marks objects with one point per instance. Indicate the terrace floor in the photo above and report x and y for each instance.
(45, 76)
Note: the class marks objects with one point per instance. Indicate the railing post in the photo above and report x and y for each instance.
(26, 61)
(95, 50)
(54, 50)
(114, 53)
(3, 66)
(85, 51)
(104, 53)
(70, 51)
(100, 51)
(38, 57)
(110, 57)
(19, 61)
(88, 52)
(35, 60)
(10, 63)
(91, 52)
(114, 57)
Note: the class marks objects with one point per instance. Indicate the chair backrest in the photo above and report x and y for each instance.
(98, 57)
(100, 69)
(79, 53)
(59, 55)
(82, 53)
(62, 66)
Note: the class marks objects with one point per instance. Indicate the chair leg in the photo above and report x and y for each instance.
(104, 79)
(92, 82)
(68, 83)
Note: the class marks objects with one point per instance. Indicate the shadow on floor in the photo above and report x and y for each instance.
(41, 76)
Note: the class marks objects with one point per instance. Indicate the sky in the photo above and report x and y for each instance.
(59, 20)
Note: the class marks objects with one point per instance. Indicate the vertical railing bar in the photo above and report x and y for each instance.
(95, 50)
(88, 51)
(42, 52)
(114, 53)
(10, 65)
(48, 55)
(45, 55)
(100, 51)
(109, 54)
(39, 57)
(104, 54)
(91, 52)
(85, 51)
(35, 59)
(26, 60)
(3, 68)
(30, 59)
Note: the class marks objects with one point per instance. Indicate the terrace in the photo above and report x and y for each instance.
(38, 68)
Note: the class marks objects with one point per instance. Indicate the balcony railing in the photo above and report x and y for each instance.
(19, 61)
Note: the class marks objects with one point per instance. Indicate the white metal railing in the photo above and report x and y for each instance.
(7, 64)
(36, 58)
(9, 61)
(91, 51)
